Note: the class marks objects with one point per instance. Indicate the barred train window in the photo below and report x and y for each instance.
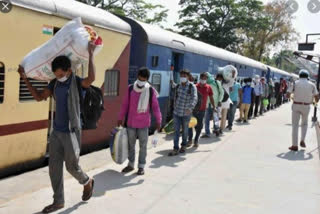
(24, 93)
(111, 83)
(2, 68)
(156, 81)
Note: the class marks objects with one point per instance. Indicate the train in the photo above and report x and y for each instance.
(128, 45)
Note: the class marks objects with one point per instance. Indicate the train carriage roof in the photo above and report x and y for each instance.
(73, 9)
(159, 36)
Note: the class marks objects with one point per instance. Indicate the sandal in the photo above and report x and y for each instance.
(87, 194)
(52, 207)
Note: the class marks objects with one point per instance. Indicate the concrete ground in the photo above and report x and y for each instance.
(249, 170)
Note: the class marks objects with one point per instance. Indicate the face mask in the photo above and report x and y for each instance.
(183, 79)
(249, 83)
(141, 84)
(203, 82)
(63, 79)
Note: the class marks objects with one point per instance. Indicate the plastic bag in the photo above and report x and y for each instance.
(155, 139)
(193, 122)
(72, 41)
(119, 147)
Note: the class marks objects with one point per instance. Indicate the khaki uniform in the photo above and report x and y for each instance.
(303, 92)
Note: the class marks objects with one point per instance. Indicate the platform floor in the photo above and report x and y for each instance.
(247, 171)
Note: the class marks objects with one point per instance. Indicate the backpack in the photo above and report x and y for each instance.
(150, 101)
(225, 95)
(199, 101)
(91, 105)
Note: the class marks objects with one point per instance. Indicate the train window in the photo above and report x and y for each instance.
(55, 30)
(2, 69)
(111, 83)
(155, 61)
(156, 81)
(24, 93)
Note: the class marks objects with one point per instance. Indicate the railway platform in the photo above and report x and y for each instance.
(248, 170)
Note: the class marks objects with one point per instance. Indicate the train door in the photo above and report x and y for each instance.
(268, 74)
(176, 65)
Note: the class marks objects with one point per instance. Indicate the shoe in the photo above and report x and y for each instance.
(229, 127)
(189, 144)
(217, 133)
(196, 145)
(88, 190)
(140, 171)
(245, 121)
(239, 121)
(220, 131)
(205, 136)
(52, 208)
(127, 169)
(182, 149)
(293, 148)
(174, 152)
(303, 144)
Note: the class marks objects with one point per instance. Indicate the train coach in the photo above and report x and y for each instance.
(24, 123)
(166, 53)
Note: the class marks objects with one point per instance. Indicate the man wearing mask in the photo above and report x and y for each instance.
(206, 92)
(185, 100)
(65, 140)
(304, 92)
(136, 108)
(218, 94)
(264, 94)
(257, 99)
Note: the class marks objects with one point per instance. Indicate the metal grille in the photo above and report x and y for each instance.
(111, 83)
(156, 81)
(24, 93)
(2, 68)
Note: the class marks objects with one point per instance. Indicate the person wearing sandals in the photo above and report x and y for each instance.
(141, 97)
(205, 91)
(185, 100)
(65, 140)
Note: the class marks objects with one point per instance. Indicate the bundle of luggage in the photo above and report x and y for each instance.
(72, 41)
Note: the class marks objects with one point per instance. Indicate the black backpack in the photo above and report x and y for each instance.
(91, 106)
(225, 95)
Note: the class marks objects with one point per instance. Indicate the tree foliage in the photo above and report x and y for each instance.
(219, 22)
(137, 9)
(278, 31)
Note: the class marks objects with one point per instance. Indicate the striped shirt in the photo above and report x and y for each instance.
(185, 99)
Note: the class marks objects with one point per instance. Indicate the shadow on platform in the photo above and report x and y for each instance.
(112, 180)
(296, 156)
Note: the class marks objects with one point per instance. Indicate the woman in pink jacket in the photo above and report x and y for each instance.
(136, 108)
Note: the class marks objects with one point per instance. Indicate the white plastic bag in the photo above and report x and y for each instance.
(155, 139)
(72, 41)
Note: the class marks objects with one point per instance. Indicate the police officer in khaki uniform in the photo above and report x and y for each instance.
(304, 92)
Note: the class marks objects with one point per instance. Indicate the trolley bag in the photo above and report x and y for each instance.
(119, 145)
(71, 40)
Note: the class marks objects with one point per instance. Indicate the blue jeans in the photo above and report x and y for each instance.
(178, 123)
(199, 115)
(231, 112)
(208, 116)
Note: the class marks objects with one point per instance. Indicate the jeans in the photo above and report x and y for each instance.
(178, 123)
(232, 112)
(143, 135)
(199, 115)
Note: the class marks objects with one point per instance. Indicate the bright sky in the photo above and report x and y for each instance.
(305, 21)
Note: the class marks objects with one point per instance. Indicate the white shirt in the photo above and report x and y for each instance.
(303, 91)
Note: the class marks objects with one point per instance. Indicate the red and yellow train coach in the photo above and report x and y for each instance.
(26, 124)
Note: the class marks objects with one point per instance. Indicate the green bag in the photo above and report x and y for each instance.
(265, 102)
(169, 128)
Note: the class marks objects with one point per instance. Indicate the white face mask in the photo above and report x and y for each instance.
(183, 79)
(63, 79)
(141, 84)
(249, 83)
(203, 82)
